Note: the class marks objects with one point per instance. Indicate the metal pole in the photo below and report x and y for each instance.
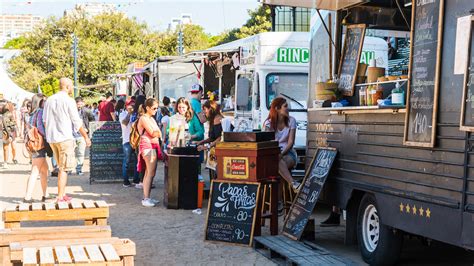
(75, 65)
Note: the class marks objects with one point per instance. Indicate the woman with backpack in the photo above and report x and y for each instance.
(149, 149)
(137, 107)
(39, 165)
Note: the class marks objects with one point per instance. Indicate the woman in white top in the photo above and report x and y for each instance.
(284, 126)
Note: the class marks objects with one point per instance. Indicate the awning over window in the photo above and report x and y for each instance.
(318, 4)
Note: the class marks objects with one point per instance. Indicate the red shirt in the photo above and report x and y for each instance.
(105, 108)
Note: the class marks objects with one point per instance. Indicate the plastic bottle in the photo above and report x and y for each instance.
(398, 95)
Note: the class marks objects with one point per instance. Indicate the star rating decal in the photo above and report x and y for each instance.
(414, 210)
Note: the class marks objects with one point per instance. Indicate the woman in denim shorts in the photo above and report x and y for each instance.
(39, 165)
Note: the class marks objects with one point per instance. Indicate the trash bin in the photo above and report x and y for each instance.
(181, 178)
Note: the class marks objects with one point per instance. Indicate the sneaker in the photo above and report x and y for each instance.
(43, 199)
(79, 173)
(3, 166)
(28, 201)
(54, 172)
(67, 198)
(127, 184)
(197, 211)
(333, 220)
(148, 203)
(155, 201)
(15, 161)
(153, 186)
(139, 185)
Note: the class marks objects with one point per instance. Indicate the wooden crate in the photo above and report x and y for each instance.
(11, 235)
(247, 161)
(94, 251)
(92, 212)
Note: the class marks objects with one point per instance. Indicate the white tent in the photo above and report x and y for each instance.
(10, 90)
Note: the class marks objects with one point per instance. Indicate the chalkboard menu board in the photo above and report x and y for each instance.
(106, 151)
(423, 82)
(467, 111)
(353, 41)
(232, 212)
(308, 195)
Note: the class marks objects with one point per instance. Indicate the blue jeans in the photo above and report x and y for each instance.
(127, 154)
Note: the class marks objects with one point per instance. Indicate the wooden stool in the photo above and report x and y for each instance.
(92, 212)
(268, 209)
(107, 251)
(288, 195)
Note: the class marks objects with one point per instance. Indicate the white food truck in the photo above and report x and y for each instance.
(251, 72)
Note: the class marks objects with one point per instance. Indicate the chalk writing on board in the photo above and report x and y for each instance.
(424, 68)
(232, 211)
(309, 192)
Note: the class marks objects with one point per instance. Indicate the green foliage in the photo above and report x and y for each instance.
(49, 86)
(107, 44)
(260, 21)
(16, 43)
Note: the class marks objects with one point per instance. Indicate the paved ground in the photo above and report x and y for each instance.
(175, 237)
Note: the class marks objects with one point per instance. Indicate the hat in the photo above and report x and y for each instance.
(196, 88)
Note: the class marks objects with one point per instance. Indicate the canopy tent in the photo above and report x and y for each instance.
(10, 90)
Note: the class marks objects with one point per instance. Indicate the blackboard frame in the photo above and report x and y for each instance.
(256, 209)
(436, 80)
(341, 60)
(309, 170)
(462, 125)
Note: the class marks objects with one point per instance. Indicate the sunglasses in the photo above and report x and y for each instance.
(154, 108)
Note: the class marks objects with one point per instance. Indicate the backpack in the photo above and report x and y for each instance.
(34, 140)
(135, 135)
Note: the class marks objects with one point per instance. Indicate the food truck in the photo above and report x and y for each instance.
(405, 163)
(257, 69)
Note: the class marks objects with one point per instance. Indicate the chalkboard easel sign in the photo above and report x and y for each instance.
(467, 110)
(424, 69)
(232, 212)
(106, 152)
(308, 195)
(349, 64)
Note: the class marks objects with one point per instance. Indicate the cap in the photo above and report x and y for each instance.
(196, 88)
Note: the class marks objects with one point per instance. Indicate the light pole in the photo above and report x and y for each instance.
(74, 47)
(180, 39)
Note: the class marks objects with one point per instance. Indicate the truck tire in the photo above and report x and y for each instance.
(378, 244)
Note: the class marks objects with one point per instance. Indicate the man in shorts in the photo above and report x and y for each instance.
(61, 119)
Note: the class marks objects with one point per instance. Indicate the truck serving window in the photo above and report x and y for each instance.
(292, 86)
(249, 78)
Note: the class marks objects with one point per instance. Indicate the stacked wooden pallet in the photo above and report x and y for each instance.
(89, 244)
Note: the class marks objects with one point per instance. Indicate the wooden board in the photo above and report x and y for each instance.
(232, 211)
(123, 247)
(285, 251)
(79, 254)
(308, 195)
(8, 236)
(350, 58)
(46, 256)
(65, 214)
(467, 103)
(424, 69)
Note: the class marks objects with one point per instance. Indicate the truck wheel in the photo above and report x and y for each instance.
(378, 244)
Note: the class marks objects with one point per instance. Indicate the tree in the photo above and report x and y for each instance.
(260, 21)
(107, 44)
(194, 38)
(16, 43)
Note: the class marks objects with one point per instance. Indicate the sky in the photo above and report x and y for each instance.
(214, 16)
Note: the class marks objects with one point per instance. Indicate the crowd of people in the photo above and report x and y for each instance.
(63, 124)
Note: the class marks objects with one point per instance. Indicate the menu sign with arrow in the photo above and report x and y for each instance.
(353, 41)
(309, 192)
(424, 68)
